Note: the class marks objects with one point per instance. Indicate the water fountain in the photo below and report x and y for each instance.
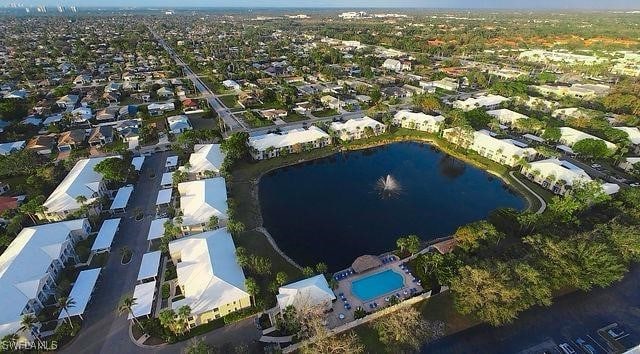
(388, 187)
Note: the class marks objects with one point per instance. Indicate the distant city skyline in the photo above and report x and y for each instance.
(461, 4)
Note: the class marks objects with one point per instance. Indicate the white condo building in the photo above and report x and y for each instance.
(199, 201)
(507, 116)
(487, 102)
(570, 136)
(209, 276)
(205, 161)
(83, 181)
(357, 128)
(292, 141)
(30, 266)
(503, 151)
(556, 175)
(418, 121)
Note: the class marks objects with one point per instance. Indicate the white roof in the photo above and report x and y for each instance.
(208, 272)
(288, 138)
(24, 264)
(167, 179)
(106, 234)
(200, 200)
(177, 123)
(150, 265)
(418, 118)
(81, 292)
(143, 295)
(156, 230)
(483, 138)
(506, 116)
(571, 136)
(478, 102)
(561, 169)
(137, 162)
(81, 180)
(122, 197)
(7, 148)
(355, 124)
(164, 196)
(633, 132)
(206, 157)
(172, 161)
(308, 292)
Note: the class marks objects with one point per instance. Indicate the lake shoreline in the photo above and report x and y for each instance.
(254, 177)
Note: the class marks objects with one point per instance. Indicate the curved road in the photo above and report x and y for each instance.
(543, 204)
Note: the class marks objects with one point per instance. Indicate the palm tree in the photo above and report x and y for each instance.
(65, 303)
(126, 306)
(184, 312)
(81, 199)
(29, 323)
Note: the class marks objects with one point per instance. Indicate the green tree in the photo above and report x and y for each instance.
(65, 303)
(407, 329)
(552, 134)
(236, 146)
(591, 148)
(114, 169)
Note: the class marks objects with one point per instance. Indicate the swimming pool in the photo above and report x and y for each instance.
(376, 285)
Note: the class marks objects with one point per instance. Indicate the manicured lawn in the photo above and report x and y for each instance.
(254, 121)
(294, 117)
(230, 100)
(325, 113)
(203, 123)
(269, 105)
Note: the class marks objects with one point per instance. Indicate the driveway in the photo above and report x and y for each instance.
(575, 315)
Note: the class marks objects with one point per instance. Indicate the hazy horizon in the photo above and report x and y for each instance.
(353, 4)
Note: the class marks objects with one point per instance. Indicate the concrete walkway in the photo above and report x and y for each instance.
(543, 204)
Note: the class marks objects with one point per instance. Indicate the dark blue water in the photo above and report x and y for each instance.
(329, 210)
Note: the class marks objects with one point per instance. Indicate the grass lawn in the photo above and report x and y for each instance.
(294, 117)
(325, 113)
(254, 121)
(230, 101)
(203, 123)
(269, 105)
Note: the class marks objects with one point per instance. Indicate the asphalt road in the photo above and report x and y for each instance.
(572, 316)
(103, 330)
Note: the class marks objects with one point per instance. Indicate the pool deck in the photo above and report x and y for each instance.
(344, 286)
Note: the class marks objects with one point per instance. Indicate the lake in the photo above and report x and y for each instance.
(332, 210)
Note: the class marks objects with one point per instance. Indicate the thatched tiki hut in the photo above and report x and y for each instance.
(366, 262)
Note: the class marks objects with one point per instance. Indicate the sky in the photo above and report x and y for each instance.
(480, 4)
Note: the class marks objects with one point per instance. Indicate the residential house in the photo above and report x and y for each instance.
(273, 114)
(292, 141)
(68, 101)
(71, 139)
(31, 265)
(447, 84)
(164, 92)
(42, 144)
(231, 84)
(330, 102)
(101, 136)
(418, 121)
(581, 91)
(81, 181)
(357, 128)
(209, 276)
(179, 124)
(199, 201)
(396, 65)
(11, 147)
